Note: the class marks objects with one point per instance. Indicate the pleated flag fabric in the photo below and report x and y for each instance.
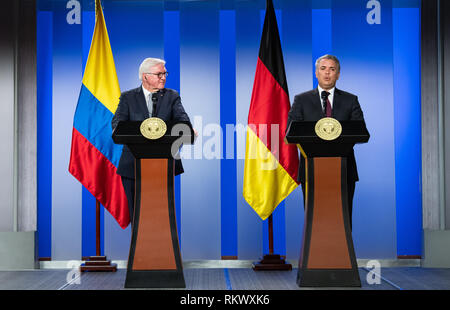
(94, 157)
(271, 166)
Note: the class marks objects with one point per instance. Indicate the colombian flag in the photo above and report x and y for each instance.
(94, 157)
(271, 166)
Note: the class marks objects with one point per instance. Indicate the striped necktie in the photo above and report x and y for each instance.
(326, 103)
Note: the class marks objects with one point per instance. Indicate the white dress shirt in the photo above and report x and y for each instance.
(330, 96)
(148, 99)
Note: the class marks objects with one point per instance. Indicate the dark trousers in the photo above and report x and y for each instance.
(129, 187)
(350, 193)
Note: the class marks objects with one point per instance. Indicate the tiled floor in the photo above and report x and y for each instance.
(394, 278)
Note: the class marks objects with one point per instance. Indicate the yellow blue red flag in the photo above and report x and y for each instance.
(94, 157)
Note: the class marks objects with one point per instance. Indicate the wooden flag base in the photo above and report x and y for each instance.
(98, 263)
(271, 262)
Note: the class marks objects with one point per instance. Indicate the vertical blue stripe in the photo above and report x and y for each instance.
(297, 50)
(89, 225)
(407, 120)
(172, 58)
(44, 130)
(366, 56)
(321, 36)
(279, 231)
(248, 39)
(200, 89)
(88, 211)
(228, 190)
(66, 190)
(88, 24)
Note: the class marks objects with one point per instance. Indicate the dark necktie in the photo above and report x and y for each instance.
(326, 103)
(154, 100)
(149, 104)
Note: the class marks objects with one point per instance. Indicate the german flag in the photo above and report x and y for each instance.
(271, 165)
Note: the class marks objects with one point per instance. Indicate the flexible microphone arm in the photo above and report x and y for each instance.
(154, 100)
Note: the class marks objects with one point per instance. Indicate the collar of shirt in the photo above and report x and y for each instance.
(146, 93)
(330, 97)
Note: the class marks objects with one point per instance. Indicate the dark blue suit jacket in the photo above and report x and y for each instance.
(307, 106)
(133, 107)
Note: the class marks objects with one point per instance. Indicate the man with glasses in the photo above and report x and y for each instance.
(151, 99)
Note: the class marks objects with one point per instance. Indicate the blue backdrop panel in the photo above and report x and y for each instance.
(211, 48)
(66, 190)
(44, 54)
(228, 117)
(408, 160)
(365, 52)
(136, 31)
(200, 91)
(321, 35)
(297, 46)
(248, 36)
(172, 58)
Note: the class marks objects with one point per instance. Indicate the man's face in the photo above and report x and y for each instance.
(327, 74)
(152, 81)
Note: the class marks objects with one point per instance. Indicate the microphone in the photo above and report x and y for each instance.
(324, 96)
(154, 100)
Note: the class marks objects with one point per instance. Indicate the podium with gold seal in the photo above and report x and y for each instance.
(154, 259)
(327, 257)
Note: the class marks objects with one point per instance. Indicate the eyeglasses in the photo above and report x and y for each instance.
(160, 75)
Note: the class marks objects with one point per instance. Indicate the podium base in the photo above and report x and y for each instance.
(328, 278)
(97, 263)
(271, 262)
(155, 279)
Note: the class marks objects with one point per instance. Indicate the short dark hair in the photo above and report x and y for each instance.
(331, 57)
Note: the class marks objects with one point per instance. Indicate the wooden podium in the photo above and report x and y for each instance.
(327, 257)
(154, 260)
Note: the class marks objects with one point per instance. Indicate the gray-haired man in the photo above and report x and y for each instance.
(150, 99)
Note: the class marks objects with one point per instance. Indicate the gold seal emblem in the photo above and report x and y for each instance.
(328, 128)
(153, 128)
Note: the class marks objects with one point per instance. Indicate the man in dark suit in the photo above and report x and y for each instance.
(328, 101)
(151, 99)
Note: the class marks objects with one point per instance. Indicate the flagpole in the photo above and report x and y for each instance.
(97, 228)
(269, 74)
(271, 261)
(97, 262)
(270, 235)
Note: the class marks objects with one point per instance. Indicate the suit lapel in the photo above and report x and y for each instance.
(141, 103)
(159, 103)
(336, 103)
(316, 102)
